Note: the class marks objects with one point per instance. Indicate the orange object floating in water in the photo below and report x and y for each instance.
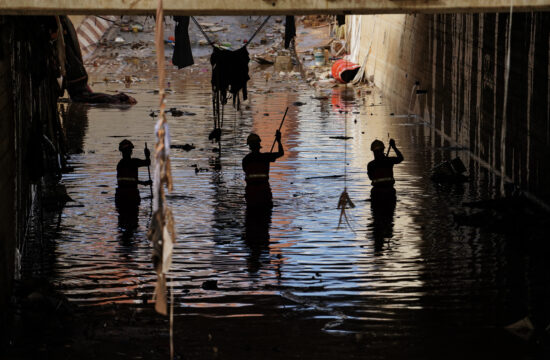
(344, 71)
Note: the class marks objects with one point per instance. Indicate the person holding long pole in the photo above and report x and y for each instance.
(127, 198)
(256, 169)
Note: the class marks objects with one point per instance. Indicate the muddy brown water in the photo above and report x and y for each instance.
(411, 277)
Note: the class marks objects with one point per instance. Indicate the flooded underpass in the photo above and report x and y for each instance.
(430, 278)
(411, 282)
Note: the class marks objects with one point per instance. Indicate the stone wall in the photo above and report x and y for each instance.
(460, 60)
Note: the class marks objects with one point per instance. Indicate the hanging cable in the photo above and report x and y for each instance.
(202, 31)
(258, 30)
(344, 201)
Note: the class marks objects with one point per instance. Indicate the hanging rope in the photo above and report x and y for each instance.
(344, 201)
(161, 231)
(258, 30)
(202, 31)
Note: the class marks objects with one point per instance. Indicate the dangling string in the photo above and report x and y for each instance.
(213, 45)
(257, 31)
(202, 31)
(344, 201)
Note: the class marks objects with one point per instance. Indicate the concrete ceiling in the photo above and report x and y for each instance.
(265, 7)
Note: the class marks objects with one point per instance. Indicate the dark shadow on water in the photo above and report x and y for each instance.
(256, 236)
(75, 122)
(128, 219)
(382, 210)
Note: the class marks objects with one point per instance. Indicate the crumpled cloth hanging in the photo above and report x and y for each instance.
(230, 73)
(182, 56)
(290, 30)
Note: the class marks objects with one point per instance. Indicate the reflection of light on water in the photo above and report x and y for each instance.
(306, 260)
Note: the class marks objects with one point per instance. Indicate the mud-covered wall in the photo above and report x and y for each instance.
(460, 60)
(31, 136)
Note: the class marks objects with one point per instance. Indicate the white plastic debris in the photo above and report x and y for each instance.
(523, 328)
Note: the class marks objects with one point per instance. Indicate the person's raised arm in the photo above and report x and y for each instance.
(280, 151)
(399, 156)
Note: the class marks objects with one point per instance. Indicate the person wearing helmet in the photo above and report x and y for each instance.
(127, 192)
(256, 169)
(382, 196)
(380, 170)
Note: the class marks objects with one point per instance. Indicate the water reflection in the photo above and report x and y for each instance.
(382, 210)
(256, 236)
(75, 122)
(128, 221)
(437, 271)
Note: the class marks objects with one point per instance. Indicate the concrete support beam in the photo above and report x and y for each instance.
(257, 7)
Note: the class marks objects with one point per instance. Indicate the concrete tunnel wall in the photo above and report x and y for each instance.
(31, 138)
(460, 60)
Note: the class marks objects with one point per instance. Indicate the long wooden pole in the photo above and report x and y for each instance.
(280, 127)
(149, 173)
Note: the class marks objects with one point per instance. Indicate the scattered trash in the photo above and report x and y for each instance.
(450, 171)
(185, 147)
(210, 285)
(215, 135)
(137, 28)
(177, 113)
(523, 328)
(298, 103)
(119, 40)
(283, 63)
(344, 71)
(264, 60)
(319, 57)
(216, 29)
(344, 202)
(341, 137)
(324, 177)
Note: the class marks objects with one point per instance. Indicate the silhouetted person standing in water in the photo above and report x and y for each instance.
(258, 199)
(380, 170)
(383, 199)
(256, 169)
(127, 192)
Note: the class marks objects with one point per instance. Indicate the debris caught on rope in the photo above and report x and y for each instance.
(344, 202)
(161, 231)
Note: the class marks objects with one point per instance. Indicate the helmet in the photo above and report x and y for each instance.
(125, 145)
(253, 139)
(377, 145)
